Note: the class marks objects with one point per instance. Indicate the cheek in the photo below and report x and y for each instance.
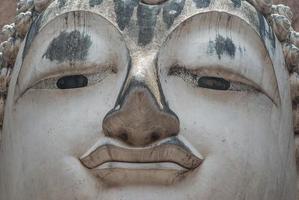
(241, 135)
(51, 131)
(225, 123)
(46, 134)
(68, 121)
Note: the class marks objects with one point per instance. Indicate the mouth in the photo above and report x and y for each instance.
(163, 162)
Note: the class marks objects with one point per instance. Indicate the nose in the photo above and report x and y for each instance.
(139, 121)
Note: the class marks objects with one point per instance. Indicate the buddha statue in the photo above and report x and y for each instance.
(149, 99)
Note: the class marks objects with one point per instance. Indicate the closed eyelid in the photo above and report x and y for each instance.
(60, 71)
(85, 79)
(212, 72)
(48, 81)
(223, 75)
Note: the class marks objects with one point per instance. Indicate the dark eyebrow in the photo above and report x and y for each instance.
(69, 46)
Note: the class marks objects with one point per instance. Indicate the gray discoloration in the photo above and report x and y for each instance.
(124, 11)
(266, 31)
(237, 3)
(69, 46)
(33, 31)
(171, 10)
(61, 3)
(202, 3)
(258, 20)
(226, 46)
(93, 3)
(147, 18)
(262, 26)
(251, 15)
(240, 50)
(272, 37)
(222, 46)
(211, 48)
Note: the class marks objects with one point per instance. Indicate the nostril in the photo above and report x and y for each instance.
(124, 136)
(155, 136)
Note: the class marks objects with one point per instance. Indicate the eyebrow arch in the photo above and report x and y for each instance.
(226, 74)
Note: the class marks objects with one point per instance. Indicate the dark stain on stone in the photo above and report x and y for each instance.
(93, 3)
(147, 19)
(124, 11)
(172, 10)
(237, 3)
(224, 46)
(272, 37)
(262, 26)
(211, 48)
(202, 3)
(240, 50)
(258, 20)
(251, 15)
(33, 31)
(266, 31)
(68, 46)
(61, 3)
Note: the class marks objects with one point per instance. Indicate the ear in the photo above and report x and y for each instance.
(294, 94)
(297, 160)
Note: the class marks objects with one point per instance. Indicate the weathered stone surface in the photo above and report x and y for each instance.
(171, 102)
(189, 95)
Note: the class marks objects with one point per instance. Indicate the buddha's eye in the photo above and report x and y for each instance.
(205, 80)
(74, 81)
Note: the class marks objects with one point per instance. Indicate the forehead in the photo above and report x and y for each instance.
(146, 27)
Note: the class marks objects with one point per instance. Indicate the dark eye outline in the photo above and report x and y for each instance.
(208, 82)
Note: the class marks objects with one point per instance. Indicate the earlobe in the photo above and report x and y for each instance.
(297, 160)
(2, 103)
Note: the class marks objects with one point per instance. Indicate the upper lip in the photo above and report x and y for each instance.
(173, 149)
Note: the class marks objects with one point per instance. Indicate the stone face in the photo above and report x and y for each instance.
(177, 99)
(150, 123)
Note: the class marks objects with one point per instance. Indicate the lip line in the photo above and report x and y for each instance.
(141, 163)
(175, 150)
(140, 166)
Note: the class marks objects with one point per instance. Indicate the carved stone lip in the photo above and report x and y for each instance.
(176, 150)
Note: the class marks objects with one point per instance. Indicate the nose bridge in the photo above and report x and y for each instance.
(140, 116)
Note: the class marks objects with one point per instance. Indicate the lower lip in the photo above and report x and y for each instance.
(121, 173)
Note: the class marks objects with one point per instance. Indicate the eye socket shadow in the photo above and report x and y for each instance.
(74, 81)
(213, 83)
